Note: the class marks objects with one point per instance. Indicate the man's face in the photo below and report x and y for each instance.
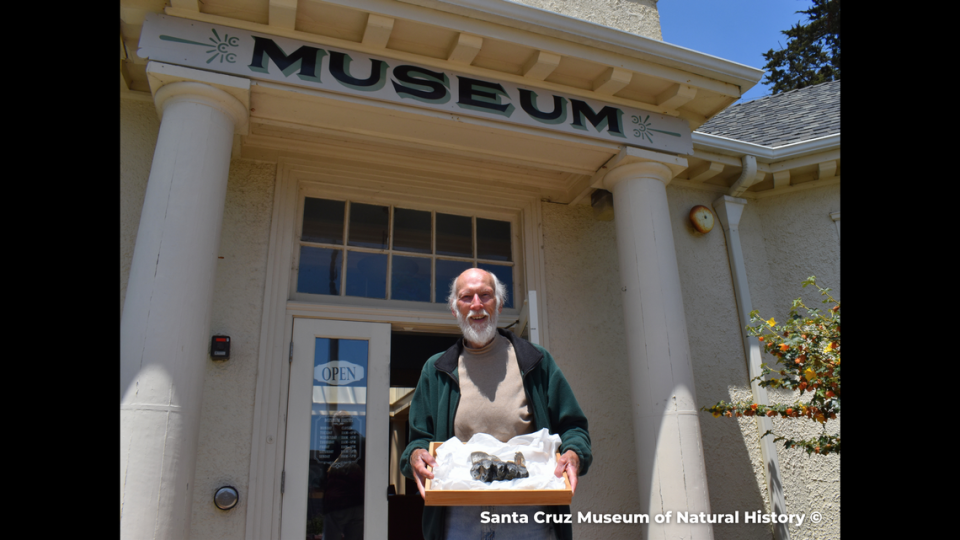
(476, 307)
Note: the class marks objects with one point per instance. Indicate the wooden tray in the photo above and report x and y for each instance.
(500, 497)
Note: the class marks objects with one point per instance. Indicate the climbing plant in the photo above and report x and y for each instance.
(807, 351)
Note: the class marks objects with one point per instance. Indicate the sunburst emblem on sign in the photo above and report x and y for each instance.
(643, 129)
(221, 46)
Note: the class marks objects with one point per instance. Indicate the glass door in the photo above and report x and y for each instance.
(337, 450)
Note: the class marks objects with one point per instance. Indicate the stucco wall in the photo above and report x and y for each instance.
(229, 389)
(785, 240)
(635, 16)
(585, 317)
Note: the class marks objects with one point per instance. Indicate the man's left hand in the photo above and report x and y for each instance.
(569, 462)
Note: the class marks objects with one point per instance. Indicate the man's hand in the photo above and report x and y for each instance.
(419, 460)
(569, 462)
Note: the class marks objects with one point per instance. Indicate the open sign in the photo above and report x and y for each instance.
(338, 372)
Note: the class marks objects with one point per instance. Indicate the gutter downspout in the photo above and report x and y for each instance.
(747, 176)
(729, 210)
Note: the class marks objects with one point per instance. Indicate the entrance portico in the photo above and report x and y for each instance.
(379, 149)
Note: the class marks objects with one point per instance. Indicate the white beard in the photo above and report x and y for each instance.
(480, 336)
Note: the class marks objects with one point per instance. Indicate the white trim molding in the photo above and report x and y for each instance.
(716, 143)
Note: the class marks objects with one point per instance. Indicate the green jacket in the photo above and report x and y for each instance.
(554, 407)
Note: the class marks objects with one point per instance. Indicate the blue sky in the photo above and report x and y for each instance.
(737, 30)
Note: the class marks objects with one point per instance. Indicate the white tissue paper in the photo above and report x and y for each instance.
(539, 451)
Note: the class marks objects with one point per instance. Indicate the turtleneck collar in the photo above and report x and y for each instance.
(485, 349)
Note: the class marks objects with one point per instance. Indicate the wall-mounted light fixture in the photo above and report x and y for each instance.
(702, 218)
(226, 497)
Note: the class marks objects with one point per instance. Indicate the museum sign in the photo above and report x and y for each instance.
(272, 58)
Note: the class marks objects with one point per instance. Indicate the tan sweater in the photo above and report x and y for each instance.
(492, 399)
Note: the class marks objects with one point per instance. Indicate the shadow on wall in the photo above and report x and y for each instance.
(587, 337)
(718, 359)
(731, 477)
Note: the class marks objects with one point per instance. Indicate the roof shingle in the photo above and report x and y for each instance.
(781, 119)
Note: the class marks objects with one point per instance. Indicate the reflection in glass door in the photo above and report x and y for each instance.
(336, 431)
(337, 434)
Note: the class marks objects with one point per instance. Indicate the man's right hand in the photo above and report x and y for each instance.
(419, 460)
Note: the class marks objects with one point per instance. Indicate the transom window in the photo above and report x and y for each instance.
(393, 253)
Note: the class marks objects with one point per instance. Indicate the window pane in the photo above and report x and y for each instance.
(410, 279)
(322, 221)
(505, 275)
(447, 271)
(366, 274)
(368, 226)
(411, 231)
(337, 434)
(319, 271)
(493, 240)
(454, 236)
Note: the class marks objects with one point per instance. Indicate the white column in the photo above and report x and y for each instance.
(164, 329)
(729, 210)
(670, 465)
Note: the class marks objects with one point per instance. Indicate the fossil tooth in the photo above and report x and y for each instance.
(489, 468)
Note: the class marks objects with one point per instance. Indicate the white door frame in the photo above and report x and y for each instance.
(293, 522)
(279, 311)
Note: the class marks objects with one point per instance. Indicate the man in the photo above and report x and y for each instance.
(492, 382)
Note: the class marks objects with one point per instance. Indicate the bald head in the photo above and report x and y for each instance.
(488, 278)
